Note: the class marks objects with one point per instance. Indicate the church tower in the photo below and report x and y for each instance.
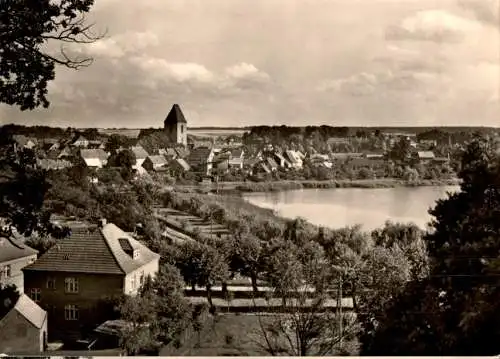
(175, 125)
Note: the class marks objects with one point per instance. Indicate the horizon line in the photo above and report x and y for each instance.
(261, 125)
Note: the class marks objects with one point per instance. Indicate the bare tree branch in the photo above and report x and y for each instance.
(74, 31)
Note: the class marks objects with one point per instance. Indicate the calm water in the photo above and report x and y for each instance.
(342, 207)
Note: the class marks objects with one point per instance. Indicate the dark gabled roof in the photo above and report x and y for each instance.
(96, 251)
(11, 249)
(198, 156)
(175, 116)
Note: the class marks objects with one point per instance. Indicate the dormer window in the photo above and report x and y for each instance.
(127, 248)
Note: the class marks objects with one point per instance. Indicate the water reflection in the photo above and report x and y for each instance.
(341, 207)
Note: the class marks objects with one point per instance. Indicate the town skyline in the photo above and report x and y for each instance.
(337, 63)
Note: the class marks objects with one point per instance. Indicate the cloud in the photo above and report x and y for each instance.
(162, 70)
(485, 11)
(381, 83)
(432, 25)
(160, 73)
(413, 62)
(231, 71)
(243, 76)
(362, 84)
(244, 70)
(118, 46)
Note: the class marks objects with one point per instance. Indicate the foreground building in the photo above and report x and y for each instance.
(74, 278)
(14, 256)
(23, 330)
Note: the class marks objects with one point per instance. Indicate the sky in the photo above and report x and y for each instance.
(273, 62)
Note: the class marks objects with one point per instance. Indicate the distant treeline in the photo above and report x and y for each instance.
(41, 132)
(343, 131)
(440, 134)
(265, 131)
(35, 131)
(221, 128)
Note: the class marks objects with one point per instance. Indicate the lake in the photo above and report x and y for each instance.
(340, 207)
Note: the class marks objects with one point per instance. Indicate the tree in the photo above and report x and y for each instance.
(114, 142)
(173, 311)
(410, 174)
(8, 299)
(245, 257)
(296, 231)
(374, 269)
(138, 313)
(28, 29)
(306, 323)
(203, 265)
(23, 188)
(410, 239)
(453, 310)
(158, 314)
(401, 150)
(41, 244)
(125, 160)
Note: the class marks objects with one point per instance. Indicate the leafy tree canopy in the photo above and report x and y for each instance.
(28, 29)
(453, 311)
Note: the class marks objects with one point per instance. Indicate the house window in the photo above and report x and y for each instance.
(142, 278)
(6, 271)
(133, 283)
(51, 283)
(70, 312)
(36, 294)
(182, 129)
(71, 285)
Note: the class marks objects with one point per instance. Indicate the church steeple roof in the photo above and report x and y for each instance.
(175, 116)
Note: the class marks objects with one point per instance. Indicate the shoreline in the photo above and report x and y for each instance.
(233, 188)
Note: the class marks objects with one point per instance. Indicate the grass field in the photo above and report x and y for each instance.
(227, 335)
(194, 222)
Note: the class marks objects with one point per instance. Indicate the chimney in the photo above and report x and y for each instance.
(102, 222)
